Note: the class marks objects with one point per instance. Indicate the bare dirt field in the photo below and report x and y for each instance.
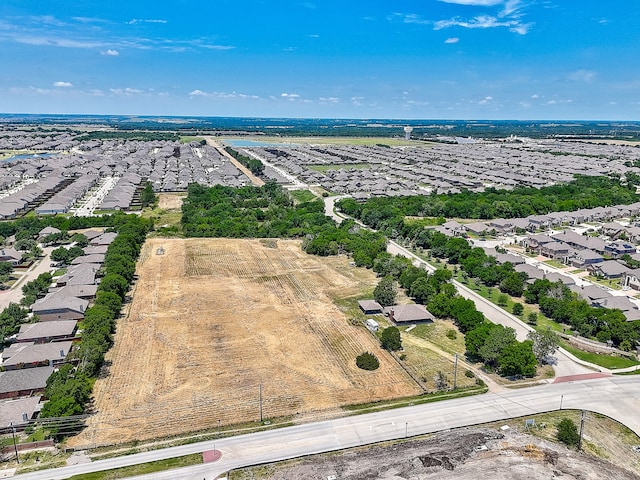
(463, 454)
(214, 323)
(170, 201)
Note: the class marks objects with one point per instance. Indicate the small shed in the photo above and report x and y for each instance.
(370, 307)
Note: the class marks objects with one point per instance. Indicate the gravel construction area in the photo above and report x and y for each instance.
(464, 454)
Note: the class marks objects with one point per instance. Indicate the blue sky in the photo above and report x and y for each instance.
(415, 59)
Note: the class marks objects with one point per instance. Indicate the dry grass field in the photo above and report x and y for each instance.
(214, 320)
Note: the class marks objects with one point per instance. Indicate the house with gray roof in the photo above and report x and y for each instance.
(18, 412)
(408, 313)
(45, 332)
(610, 269)
(370, 307)
(10, 255)
(38, 355)
(24, 383)
(59, 307)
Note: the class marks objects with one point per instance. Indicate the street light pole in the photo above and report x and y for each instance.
(15, 447)
(455, 372)
(406, 429)
(561, 397)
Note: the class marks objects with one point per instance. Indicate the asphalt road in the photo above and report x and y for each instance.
(14, 294)
(616, 397)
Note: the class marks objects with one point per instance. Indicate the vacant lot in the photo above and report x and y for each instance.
(214, 323)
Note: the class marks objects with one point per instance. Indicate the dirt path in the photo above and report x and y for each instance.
(214, 143)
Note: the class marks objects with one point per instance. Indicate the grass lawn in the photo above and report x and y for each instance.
(142, 469)
(301, 196)
(606, 361)
(554, 263)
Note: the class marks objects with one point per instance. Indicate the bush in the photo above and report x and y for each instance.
(469, 374)
(532, 318)
(517, 309)
(390, 339)
(451, 334)
(568, 432)
(367, 361)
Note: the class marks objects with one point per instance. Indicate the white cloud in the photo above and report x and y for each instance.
(126, 91)
(110, 52)
(484, 21)
(535, 95)
(582, 76)
(475, 3)
(142, 20)
(63, 84)
(329, 100)
(221, 95)
(485, 100)
(289, 95)
(452, 40)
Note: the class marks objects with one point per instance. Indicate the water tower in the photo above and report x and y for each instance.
(407, 132)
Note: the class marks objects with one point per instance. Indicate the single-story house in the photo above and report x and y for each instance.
(19, 412)
(534, 242)
(45, 332)
(558, 277)
(477, 228)
(610, 269)
(39, 355)
(60, 307)
(618, 248)
(87, 292)
(47, 231)
(590, 293)
(584, 258)
(11, 255)
(370, 307)
(412, 312)
(532, 272)
(24, 383)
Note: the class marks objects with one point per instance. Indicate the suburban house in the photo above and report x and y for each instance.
(456, 229)
(29, 355)
(626, 306)
(477, 228)
(47, 231)
(618, 248)
(556, 250)
(590, 293)
(408, 313)
(18, 412)
(558, 277)
(83, 274)
(370, 307)
(584, 258)
(60, 307)
(24, 383)
(45, 332)
(534, 242)
(11, 255)
(533, 273)
(87, 292)
(580, 242)
(610, 269)
(631, 279)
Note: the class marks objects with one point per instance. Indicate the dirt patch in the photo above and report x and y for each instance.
(465, 454)
(170, 201)
(224, 329)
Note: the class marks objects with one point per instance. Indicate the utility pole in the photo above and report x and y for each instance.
(455, 372)
(406, 429)
(561, 397)
(260, 403)
(581, 429)
(15, 447)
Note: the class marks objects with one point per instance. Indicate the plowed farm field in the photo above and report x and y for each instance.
(215, 325)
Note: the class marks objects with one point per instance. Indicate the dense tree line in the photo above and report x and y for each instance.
(269, 212)
(69, 389)
(387, 213)
(254, 165)
(145, 136)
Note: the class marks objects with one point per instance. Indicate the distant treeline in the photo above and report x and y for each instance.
(255, 166)
(145, 136)
(583, 192)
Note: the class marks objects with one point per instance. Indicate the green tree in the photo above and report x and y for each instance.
(532, 318)
(512, 284)
(114, 283)
(390, 339)
(147, 197)
(545, 343)
(568, 432)
(517, 358)
(385, 292)
(497, 340)
(60, 254)
(517, 309)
